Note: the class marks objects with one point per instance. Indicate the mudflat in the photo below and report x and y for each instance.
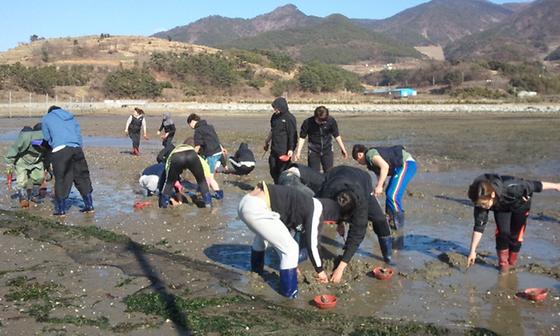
(185, 270)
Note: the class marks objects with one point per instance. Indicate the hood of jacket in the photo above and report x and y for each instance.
(280, 104)
(62, 114)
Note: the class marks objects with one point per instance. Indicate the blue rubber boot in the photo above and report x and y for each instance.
(386, 245)
(163, 201)
(88, 203)
(219, 195)
(59, 207)
(288, 283)
(207, 199)
(257, 261)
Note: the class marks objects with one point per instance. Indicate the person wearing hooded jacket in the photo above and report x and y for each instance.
(352, 188)
(282, 138)
(510, 199)
(168, 128)
(62, 132)
(243, 161)
(271, 212)
(27, 157)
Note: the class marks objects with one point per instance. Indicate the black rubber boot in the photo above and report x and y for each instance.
(399, 231)
(257, 261)
(386, 245)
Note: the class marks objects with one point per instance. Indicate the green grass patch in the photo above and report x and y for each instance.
(22, 290)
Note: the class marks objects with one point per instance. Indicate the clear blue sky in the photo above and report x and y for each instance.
(19, 19)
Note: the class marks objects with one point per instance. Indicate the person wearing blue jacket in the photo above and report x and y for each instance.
(62, 132)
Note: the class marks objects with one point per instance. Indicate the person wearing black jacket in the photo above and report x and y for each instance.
(282, 138)
(271, 212)
(168, 128)
(243, 161)
(510, 199)
(353, 187)
(135, 124)
(320, 129)
(206, 141)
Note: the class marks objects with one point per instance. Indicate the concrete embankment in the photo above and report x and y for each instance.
(36, 109)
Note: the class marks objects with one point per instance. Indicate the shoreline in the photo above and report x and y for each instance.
(117, 107)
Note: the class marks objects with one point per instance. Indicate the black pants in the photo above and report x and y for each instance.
(167, 141)
(315, 160)
(179, 162)
(70, 166)
(510, 229)
(276, 166)
(135, 137)
(378, 219)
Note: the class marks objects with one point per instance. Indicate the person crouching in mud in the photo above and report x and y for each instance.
(243, 162)
(179, 159)
(27, 157)
(352, 189)
(271, 211)
(176, 161)
(510, 200)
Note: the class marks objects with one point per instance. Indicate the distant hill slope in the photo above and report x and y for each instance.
(516, 6)
(215, 30)
(92, 50)
(440, 21)
(336, 39)
(531, 33)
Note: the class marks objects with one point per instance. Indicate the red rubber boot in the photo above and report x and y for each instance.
(503, 262)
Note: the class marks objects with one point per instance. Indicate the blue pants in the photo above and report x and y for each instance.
(397, 186)
(213, 161)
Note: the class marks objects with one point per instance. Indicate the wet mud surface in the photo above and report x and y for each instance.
(183, 270)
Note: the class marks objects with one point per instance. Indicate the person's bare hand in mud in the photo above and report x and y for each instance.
(146, 137)
(322, 277)
(126, 132)
(338, 272)
(174, 202)
(471, 259)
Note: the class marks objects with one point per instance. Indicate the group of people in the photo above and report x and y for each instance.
(348, 194)
(289, 213)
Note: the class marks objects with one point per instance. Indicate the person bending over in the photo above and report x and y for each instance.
(271, 212)
(352, 189)
(510, 199)
(398, 165)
